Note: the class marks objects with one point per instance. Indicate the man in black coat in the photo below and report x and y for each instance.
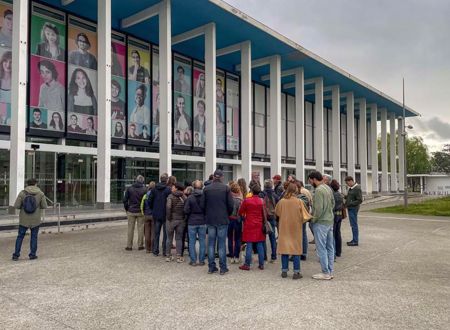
(132, 204)
(217, 204)
(157, 203)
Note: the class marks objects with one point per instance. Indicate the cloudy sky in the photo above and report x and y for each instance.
(378, 41)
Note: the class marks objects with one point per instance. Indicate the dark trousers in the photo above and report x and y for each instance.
(175, 227)
(337, 235)
(148, 230)
(33, 240)
(234, 238)
(158, 225)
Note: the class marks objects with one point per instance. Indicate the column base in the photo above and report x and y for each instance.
(102, 206)
(12, 210)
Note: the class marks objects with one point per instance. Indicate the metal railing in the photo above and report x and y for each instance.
(56, 208)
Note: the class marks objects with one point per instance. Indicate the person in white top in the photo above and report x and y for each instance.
(140, 113)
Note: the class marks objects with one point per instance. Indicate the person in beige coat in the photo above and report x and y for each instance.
(292, 214)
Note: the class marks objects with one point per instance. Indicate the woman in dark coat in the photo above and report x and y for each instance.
(338, 212)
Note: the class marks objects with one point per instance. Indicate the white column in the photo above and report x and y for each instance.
(401, 155)
(318, 129)
(363, 143)
(275, 115)
(210, 73)
(351, 159)
(246, 110)
(374, 146)
(299, 124)
(392, 148)
(18, 101)
(384, 152)
(165, 88)
(336, 131)
(104, 104)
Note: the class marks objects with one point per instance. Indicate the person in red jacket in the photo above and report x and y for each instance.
(252, 209)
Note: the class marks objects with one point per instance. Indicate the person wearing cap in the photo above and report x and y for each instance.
(352, 201)
(278, 185)
(217, 204)
(81, 55)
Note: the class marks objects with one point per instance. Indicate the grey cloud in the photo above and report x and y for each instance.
(434, 127)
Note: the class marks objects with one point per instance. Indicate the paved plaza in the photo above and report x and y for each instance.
(398, 278)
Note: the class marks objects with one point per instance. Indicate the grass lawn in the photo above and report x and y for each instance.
(438, 207)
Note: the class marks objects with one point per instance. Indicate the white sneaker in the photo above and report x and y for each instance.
(322, 276)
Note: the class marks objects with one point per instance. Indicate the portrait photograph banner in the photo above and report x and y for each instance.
(155, 95)
(118, 87)
(220, 110)
(199, 105)
(6, 31)
(233, 113)
(182, 101)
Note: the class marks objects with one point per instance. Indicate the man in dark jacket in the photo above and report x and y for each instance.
(352, 201)
(132, 203)
(196, 224)
(175, 221)
(157, 203)
(278, 185)
(217, 204)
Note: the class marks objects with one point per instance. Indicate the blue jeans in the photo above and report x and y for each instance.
(305, 240)
(272, 238)
(285, 263)
(234, 238)
(159, 224)
(323, 235)
(249, 252)
(33, 240)
(193, 231)
(219, 234)
(353, 216)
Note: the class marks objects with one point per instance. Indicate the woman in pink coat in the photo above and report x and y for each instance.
(252, 210)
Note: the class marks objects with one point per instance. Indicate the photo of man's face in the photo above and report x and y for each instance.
(82, 43)
(180, 72)
(136, 58)
(139, 97)
(180, 104)
(8, 23)
(37, 116)
(73, 120)
(201, 109)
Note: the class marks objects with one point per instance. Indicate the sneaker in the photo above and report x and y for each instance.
(352, 243)
(213, 270)
(180, 259)
(283, 274)
(33, 257)
(169, 258)
(302, 257)
(244, 267)
(140, 248)
(312, 242)
(224, 271)
(261, 267)
(191, 263)
(14, 257)
(297, 276)
(128, 248)
(331, 275)
(322, 276)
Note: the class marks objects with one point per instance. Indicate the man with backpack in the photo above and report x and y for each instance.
(270, 201)
(30, 201)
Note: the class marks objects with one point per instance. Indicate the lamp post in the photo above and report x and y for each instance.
(404, 135)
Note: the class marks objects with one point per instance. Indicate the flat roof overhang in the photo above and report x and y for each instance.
(233, 27)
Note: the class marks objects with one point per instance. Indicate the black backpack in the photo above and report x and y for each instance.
(29, 203)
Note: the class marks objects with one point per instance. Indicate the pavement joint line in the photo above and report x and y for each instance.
(406, 219)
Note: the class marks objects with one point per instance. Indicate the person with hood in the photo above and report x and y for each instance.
(30, 202)
(157, 204)
(196, 224)
(217, 205)
(132, 204)
(235, 226)
(175, 221)
(270, 201)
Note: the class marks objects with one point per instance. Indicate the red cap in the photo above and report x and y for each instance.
(277, 177)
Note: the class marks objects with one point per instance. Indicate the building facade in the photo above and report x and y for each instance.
(94, 93)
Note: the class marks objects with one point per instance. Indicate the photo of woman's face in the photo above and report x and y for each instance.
(80, 80)
(118, 127)
(46, 74)
(90, 123)
(200, 109)
(7, 65)
(55, 118)
(50, 35)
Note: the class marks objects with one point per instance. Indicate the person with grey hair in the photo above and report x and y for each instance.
(327, 179)
(132, 203)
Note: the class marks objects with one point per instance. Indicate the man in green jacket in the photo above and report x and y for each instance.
(322, 221)
(30, 201)
(352, 201)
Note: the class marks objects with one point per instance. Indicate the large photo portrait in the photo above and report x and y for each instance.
(156, 97)
(182, 120)
(182, 73)
(220, 110)
(138, 111)
(118, 54)
(233, 112)
(6, 24)
(6, 33)
(138, 61)
(118, 110)
(82, 44)
(199, 105)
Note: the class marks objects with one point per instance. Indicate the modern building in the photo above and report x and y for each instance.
(95, 92)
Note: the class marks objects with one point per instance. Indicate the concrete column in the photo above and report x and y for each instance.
(363, 144)
(246, 110)
(318, 130)
(18, 101)
(393, 154)
(165, 88)
(384, 152)
(336, 131)
(401, 155)
(351, 159)
(104, 104)
(275, 115)
(299, 124)
(374, 146)
(210, 77)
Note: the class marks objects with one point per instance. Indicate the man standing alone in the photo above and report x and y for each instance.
(323, 218)
(30, 201)
(352, 201)
(217, 204)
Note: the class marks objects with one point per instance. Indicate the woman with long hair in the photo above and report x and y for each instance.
(243, 187)
(292, 214)
(57, 122)
(49, 46)
(5, 77)
(118, 130)
(81, 98)
(235, 225)
(90, 129)
(200, 86)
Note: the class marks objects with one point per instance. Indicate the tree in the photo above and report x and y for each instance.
(417, 157)
(441, 162)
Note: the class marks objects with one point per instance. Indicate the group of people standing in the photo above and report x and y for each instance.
(214, 214)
